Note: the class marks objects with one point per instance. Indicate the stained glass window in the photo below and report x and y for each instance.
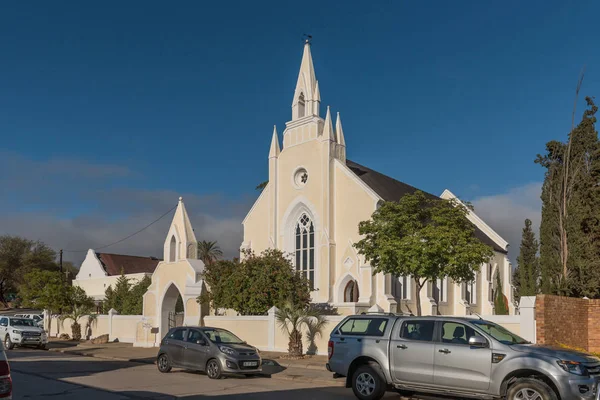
(305, 248)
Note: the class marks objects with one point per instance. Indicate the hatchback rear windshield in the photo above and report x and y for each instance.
(364, 326)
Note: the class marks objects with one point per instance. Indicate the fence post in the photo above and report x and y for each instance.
(527, 311)
(112, 312)
(271, 341)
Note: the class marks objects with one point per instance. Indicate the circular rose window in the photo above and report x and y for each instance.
(300, 177)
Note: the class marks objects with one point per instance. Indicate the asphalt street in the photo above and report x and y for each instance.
(47, 375)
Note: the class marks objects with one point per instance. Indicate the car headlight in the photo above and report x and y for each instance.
(573, 367)
(227, 350)
(16, 332)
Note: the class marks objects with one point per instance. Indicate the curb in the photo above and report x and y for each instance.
(289, 377)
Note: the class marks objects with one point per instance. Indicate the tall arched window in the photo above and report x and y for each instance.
(301, 106)
(351, 292)
(172, 249)
(305, 248)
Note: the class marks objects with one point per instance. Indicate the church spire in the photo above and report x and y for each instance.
(328, 132)
(306, 96)
(274, 152)
(339, 131)
(341, 146)
(181, 241)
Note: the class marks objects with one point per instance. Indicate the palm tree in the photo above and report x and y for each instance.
(291, 318)
(78, 311)
(209, 252)
(315, 326)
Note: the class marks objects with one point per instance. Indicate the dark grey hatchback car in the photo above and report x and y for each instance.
(213, 350)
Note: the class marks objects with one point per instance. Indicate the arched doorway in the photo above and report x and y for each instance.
(172, 309)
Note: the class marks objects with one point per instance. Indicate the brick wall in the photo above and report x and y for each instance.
(571, 321)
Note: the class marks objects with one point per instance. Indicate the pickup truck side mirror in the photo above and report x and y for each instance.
(477, 341)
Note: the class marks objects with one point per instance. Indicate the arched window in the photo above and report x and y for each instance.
(305, 248)
(351, 292)
(172, 249)
(301, 106)
(191, 251)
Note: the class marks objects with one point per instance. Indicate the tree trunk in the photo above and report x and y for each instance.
(2, 299)
(419, 285)
(76, 331)
(295, 344)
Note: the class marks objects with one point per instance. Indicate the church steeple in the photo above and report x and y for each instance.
(306, 96)
(275, 149)
(181, 241)
(341, 146)
(328, 132)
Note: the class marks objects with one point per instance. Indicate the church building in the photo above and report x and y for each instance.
(314, 201)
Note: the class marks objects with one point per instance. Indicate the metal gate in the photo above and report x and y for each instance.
(175, 319)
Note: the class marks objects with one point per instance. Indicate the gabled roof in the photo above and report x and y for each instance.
(390, 189)
(113, 264)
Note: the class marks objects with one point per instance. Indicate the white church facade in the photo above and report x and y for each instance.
(313, 203)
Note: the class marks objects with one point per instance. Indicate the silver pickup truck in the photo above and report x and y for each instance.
(456, 357)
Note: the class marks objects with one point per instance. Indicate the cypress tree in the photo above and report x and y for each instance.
(500, 306)
(527, 262)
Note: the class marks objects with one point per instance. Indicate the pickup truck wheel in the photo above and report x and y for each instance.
(8, 344)
(368, 382)
(530, 389)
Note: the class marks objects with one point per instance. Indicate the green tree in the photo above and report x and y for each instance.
(427, 238)
(121, 293)
(500, 306)
(134, 302)
(209, 252)
(79, 305)
(45, 290)
(291, 317)
(18, 256)
(255, 284)
(570, 228)
(527, 261)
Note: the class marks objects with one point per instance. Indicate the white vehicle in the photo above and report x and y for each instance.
(16, 331)
(38, 318)
(5, 379)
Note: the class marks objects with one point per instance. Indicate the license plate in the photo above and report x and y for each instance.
(250, 364)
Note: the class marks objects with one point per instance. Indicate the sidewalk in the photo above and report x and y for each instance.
(310, 369)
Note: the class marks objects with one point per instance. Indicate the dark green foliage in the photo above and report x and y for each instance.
(209, 252)
(179, 305)
(126, 298)
(570, 228)
(527, 283)
(254, 285)
(422, 237)
(500, 301)
(18, 256)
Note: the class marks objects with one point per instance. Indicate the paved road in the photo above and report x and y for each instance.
(40, 374)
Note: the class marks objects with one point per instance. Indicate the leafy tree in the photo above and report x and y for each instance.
(570, 228)
(18, 256)
(126, 298)
(45, 290)
(255, 284)
(291, 317)
(134, 302)
(79, 305)
(500, 301)
(209, 252)
(426, 238)
(527, 261)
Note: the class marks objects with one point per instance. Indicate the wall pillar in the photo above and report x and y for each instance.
(527, 318)
(112, 312)
(271, 339)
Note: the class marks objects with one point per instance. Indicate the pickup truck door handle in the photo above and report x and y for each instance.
(342, 339)
(445, 351)
(359, 340)
(401, 346)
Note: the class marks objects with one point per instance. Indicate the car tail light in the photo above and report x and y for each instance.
(329, 349)
(5, 381)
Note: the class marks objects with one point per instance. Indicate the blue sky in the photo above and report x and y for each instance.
(110, 111)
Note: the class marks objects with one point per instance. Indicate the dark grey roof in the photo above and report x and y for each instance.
(390, 189)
